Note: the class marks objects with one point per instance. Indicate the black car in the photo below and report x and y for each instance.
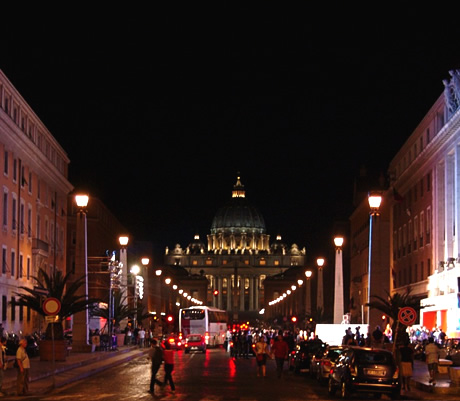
(322, 363)
(365, 370)
(300, 357)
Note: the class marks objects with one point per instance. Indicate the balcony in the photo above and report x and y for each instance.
(40, 247)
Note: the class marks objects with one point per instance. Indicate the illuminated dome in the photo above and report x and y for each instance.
(238, 226)
(238, 215)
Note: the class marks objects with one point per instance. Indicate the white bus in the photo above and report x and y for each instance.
(207, 321)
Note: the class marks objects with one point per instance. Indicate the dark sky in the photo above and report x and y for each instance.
(159, 109)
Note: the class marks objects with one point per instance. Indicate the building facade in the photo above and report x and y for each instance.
(34, 188)
(426, 212)
(237, 258)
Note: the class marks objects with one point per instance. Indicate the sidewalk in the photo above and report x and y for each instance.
(420, 381)
(76, 367)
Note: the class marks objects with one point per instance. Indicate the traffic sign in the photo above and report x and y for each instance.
(407, 315)
(51, 306)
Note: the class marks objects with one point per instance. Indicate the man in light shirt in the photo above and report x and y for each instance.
(432, 359)
(23, 367)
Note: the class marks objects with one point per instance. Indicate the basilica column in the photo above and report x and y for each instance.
(251, 293)
(219, 288)
(229, 293)
(242, 293)
(257, 284)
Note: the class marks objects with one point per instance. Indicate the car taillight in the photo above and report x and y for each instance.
(179, 343)
(231, 343)
(396, 373)
(185, 345)
(328, 364)
(253, 345)
(171, 340)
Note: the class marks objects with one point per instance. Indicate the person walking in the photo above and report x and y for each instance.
(261, 350)
(168, 355)
(407, 363)
(156, 356)
(432, 359)
(141, 335)
(23, 368)
(280, 350)
(3, 363)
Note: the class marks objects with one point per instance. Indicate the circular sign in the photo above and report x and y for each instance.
(51, 306)
(407, 315)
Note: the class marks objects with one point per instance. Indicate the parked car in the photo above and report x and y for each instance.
(365, 370)
(195, 342)
(452, 350)
(300, 357)
(175, 341)
(322, 363)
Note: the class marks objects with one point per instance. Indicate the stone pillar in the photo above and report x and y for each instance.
(256, 288)
(242, 293)
(251, 293)
(219, 288)
(229, 293)
(338, 294)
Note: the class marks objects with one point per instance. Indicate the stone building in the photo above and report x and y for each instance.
(34, 187)
(237, 258)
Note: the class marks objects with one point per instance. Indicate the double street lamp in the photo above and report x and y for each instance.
(308, 274)
(374, 204)
(320, 295)
(338, 298)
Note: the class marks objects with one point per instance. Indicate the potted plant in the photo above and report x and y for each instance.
(64, 289)
(121, 311)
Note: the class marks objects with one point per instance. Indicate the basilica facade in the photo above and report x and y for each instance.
(237, 258)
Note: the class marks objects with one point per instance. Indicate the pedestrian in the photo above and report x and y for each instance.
(168, 355)
(261, 350)
(141, 335)
(3, 363)
(156, 356)
(377, 338)
(96, 341)
(407, 363)
(23, 368)
(432, 359)
(280, 350)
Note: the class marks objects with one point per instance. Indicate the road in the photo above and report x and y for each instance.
(198, 377)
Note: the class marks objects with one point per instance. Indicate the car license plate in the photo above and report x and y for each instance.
(194, 348)
(375, 372)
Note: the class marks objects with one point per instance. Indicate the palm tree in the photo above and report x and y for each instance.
(120, 309)
(61, 287)
(391, 306)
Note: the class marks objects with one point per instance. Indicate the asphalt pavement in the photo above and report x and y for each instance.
(46, 376)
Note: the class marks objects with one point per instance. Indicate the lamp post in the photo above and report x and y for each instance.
(308, 274)
(80, 329)
(319, 295)
(123, 240)
(135, 270)
(157, 298)
(374, 204)
(338, 298)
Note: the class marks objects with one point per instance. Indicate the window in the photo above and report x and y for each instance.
(263, 262)
(28, 268)
(409, 247)
(15, 170)
(21, 264)
(4, 260)
(13, 214)
(5, 209)
(195, 262)
(30, 182)
(13, 309)
(427, 136)
(4, 306)
(422, 227)
(428, 225)
(415, 232)
(21, 217)
(13, 259)
(422, 272)
(29, 222)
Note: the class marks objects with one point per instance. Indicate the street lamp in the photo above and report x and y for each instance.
(338, 298)
(123, 240)
(135, 270)
(320, 295)
(374, 204)
(80, 327)
(308, 274)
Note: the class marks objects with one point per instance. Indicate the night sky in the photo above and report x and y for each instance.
(159, 110)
